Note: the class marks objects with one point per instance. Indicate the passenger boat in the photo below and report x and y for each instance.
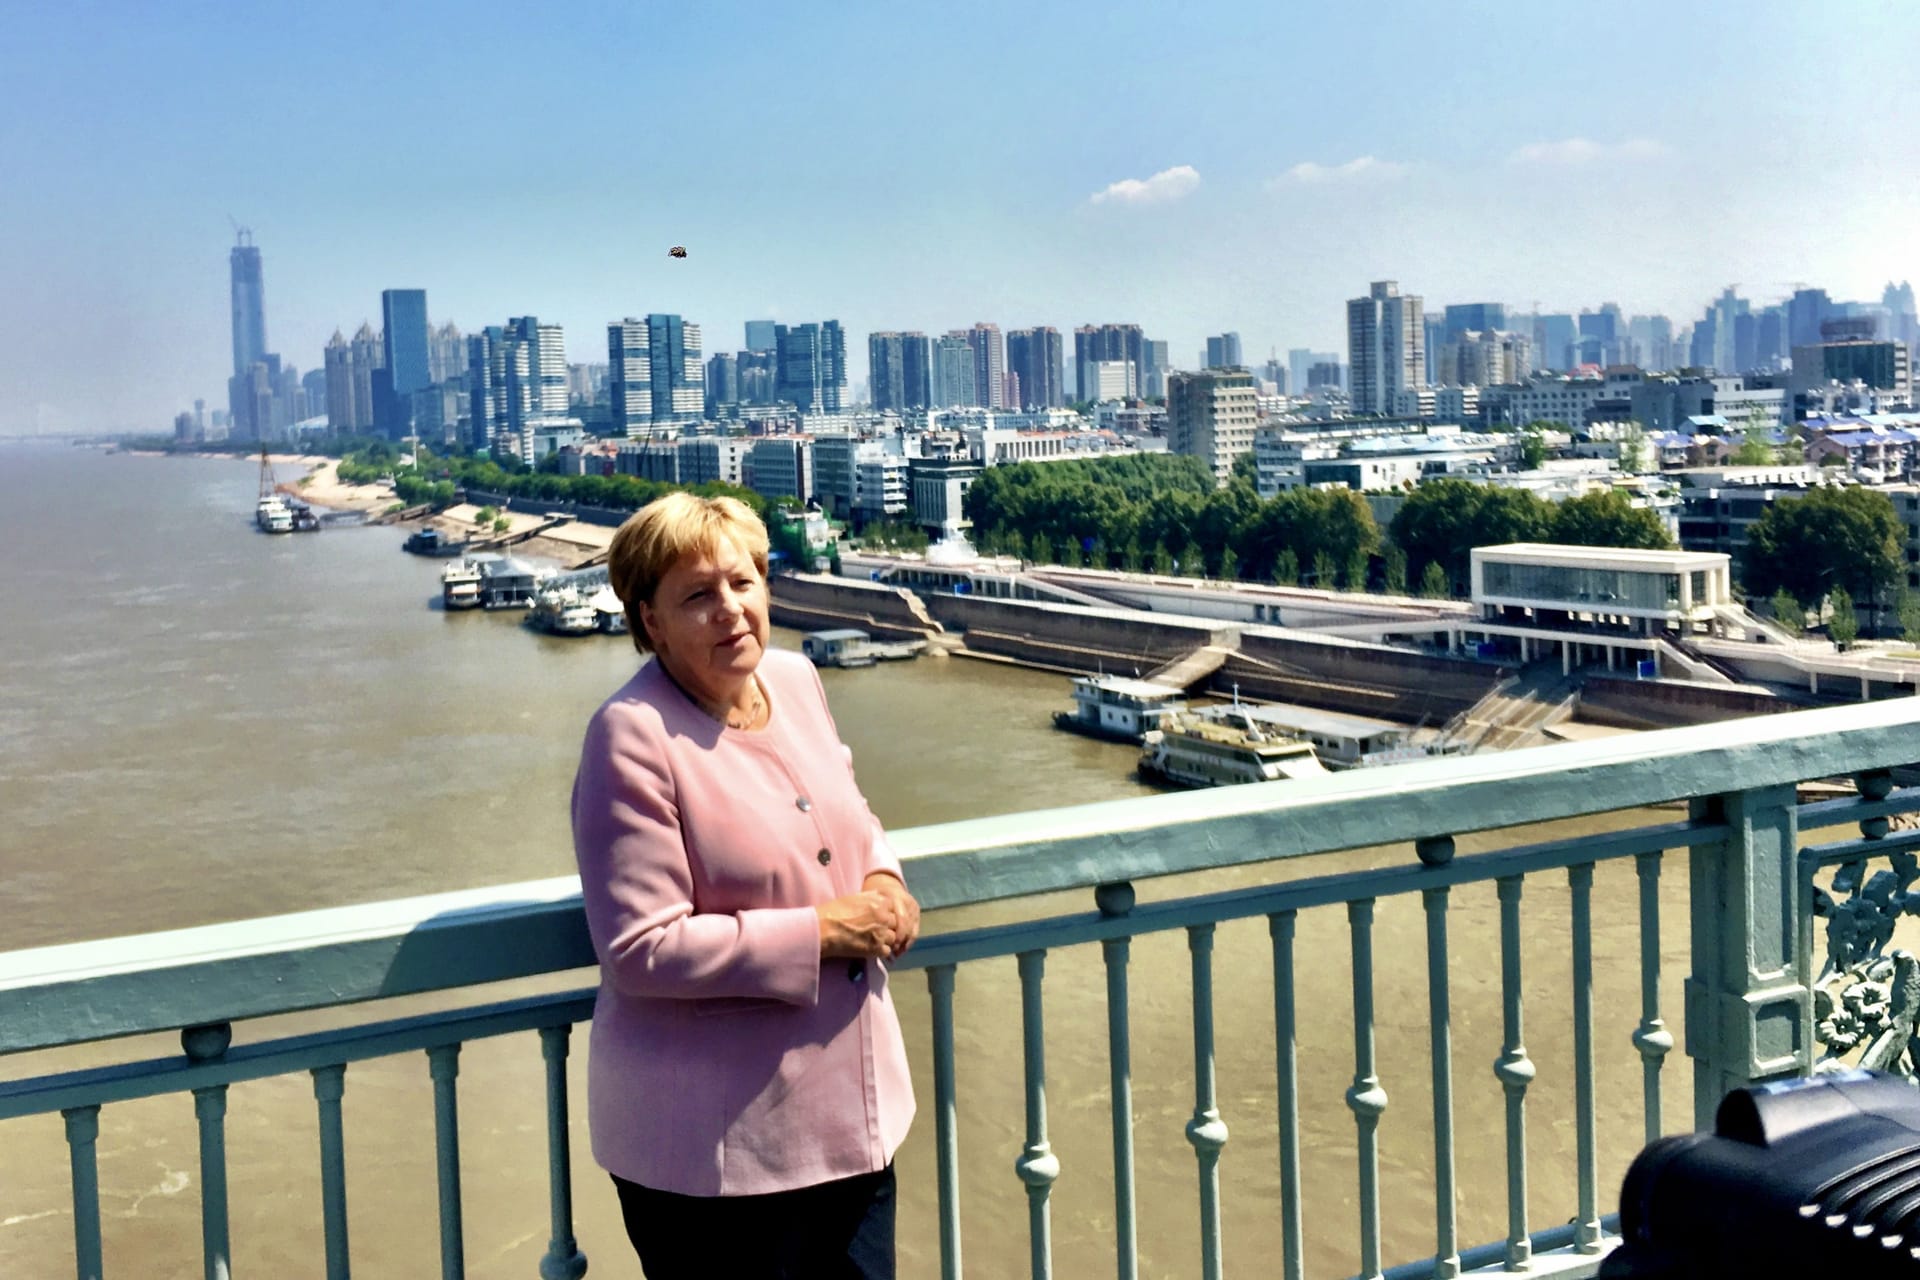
(273, 516)
(460, 585)
(562, 611)
(431, 542)
(611, 615)
(1118, 708)
(1191, 750)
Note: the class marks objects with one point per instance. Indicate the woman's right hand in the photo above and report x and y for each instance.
(859, 926)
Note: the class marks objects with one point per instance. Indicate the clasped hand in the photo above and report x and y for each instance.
(879, 922)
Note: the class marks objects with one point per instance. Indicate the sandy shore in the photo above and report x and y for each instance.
(322, 487)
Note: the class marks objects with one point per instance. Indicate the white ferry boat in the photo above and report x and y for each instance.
(564, 612)
(460, 585)
(845, 647)
(273, 516)
(1119, 708)
(610, 614)
(1211, 751)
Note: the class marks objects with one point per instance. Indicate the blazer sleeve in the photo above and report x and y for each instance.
(880, 854)
(638, 887)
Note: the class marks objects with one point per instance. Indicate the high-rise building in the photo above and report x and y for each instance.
(248, 290)
(1211, 416)
(1805, 310)
(812, 366)
(1223, 352)
(1386, 337)
(679, 372)
(989, 365)
(916, 364)
(1433, 338)
(1554, 337)
(762, 335)
(486, 387)
(1094, 343)
(887, 370)
(313, 389)
(655, 375)
(723, 384)
(1037, 357)
(630, 378)
(1153, 374)
(1602, 336)
(404, 350)
(952, 380)
(367, 352)
(1650, 343)
(756, 371)
(339, 375)
(447, 353)
(1482, 317)
(1300, 365)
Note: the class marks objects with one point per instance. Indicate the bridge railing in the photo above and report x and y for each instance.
(1750, 1005)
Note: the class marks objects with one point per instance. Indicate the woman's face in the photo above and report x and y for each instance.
(708, 619)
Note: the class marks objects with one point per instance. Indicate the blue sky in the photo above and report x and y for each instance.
(906, 165)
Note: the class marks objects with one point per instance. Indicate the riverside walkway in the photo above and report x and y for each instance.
(1755, 978)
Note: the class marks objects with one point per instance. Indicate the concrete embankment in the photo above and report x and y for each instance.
(1353, 676)
(1662, 704)
(814, 602)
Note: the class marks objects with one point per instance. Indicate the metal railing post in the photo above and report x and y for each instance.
(1749, 1007)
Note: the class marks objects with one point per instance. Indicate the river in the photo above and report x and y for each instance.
(199, 723)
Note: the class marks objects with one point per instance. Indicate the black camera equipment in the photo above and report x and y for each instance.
(1801, 1179)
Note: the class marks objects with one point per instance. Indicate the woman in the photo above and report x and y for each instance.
(747, 1085)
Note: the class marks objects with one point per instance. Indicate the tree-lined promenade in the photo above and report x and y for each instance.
(1162, 513)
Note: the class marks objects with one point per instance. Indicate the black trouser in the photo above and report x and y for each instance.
(839, 1230)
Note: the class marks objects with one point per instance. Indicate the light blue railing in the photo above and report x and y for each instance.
(1750, 1011)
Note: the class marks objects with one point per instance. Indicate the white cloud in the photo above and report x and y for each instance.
(1360, 169)
(1162, 188)
(1578, 151)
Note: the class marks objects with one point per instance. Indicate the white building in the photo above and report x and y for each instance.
(782, 467)
(1211, 416)
(1110, 380)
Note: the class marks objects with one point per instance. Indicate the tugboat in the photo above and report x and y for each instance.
(1118, 708)
(432, 543)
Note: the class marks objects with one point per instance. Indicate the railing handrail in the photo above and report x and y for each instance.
(78, 992)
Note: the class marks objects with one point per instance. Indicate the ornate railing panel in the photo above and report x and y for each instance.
(1750, 1007)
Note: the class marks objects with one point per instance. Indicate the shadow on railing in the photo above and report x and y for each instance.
(1750, 995)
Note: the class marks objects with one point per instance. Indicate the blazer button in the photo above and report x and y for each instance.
(826, 856)
(802, 803)
(856, 971)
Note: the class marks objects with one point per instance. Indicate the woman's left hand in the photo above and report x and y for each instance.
(906, 910)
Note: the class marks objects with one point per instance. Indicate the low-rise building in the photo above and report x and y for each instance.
(940, 489)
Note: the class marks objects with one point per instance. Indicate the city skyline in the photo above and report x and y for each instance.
(1256, 198)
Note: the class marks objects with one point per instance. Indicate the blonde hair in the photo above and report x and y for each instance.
(660, 534)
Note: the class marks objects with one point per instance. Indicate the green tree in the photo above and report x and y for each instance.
(1848, 538)
(1909, 615)
(1244, 468)
(1130, 556)
(1445, 520)
(1754, 451)
(1787, 611)
(502, 525)
(1354, 575)
(1633, 450)
(1229, 565)
(1192, 563)
(1309, 522)
(1042, 550)
(1433, 583)
(1323, 570)
(1286, 568)
(1016, 546)
(1395, 571)
(1097, 554)
(1793, 450)
(1161, 561)
(1606, 518)
(1533, 449)
(1843, 625)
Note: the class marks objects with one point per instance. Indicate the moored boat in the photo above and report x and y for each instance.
(460, 585)
(273, 516)
(1191, 750)
(1119, 708)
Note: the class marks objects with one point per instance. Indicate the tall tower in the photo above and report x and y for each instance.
(1386, 346)
(249, 303)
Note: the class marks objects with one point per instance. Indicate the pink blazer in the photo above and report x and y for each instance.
(726, 1057)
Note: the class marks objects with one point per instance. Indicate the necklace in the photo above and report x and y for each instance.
(736, 719)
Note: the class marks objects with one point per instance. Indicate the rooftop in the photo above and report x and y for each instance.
(1603, 557)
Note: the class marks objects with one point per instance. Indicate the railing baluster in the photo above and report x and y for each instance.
(83, 1132)
(945, 1119)
(1286, 1066)
(1446, 1258)
(1117, 900)
(1651, 1037)
(1206, 1131)
(210, 1109)
(1514, 1071)
(563, 1259)
(443, 1062)
(1366, 1098)
(329, 1087)
(1587, 1225)
(1037, 1165)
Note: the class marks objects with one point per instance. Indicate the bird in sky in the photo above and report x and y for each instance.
(678, 251)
